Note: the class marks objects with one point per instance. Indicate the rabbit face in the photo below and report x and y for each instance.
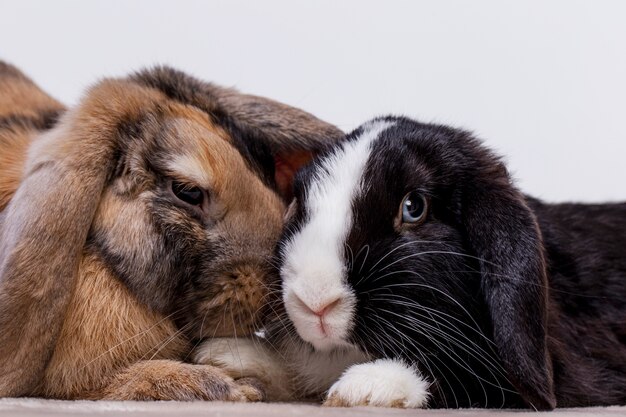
(408, 240)
(188, 225)
(358, 248)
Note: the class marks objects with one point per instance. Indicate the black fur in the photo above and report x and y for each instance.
(508, 301)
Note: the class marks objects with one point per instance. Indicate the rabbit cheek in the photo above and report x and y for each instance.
(226, 296)
(125, 235)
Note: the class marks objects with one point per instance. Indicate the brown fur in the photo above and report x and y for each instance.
(13, 147)
(90, 347)
(164, 380)
(24, 111)
(21, 97)
(105, 276)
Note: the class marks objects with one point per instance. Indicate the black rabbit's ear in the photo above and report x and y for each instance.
(291, 136)
(505, 236)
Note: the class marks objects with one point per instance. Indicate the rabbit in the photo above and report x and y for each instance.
(134, 224)
(415, 274)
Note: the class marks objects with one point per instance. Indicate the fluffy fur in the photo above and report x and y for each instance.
(499, 299)
(107, 276)
(24, 111)
(381, 383)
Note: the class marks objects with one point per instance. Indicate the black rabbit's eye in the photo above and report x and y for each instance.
(190, 194)
(414, 208)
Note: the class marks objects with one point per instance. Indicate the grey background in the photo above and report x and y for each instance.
(543, 82)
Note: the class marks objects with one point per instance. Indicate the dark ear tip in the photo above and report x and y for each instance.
(539, 398)
(535, 383)
(544, 402)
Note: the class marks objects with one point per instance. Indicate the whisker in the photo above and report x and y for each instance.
(129, 339)
(367, 247)
(400, 247)
(446, 336)
(351, 260)
(427, 363)
(409, 284)
(412, 304)
(176, 334)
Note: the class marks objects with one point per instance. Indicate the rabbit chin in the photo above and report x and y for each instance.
(333, 333)
(331, 338)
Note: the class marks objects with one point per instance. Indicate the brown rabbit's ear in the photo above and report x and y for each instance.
(291, 135)
(45, 225)
(505, 236)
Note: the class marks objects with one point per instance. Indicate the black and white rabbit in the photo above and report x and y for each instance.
(415, 273)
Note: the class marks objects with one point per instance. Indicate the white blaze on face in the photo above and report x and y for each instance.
(314, 268)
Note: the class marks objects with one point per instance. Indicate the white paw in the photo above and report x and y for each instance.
(382, 383)
(241, 357)
(245, 358)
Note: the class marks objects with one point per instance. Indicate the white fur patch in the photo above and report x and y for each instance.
(382, 383)
(192, 168)
(248, 357)
(314, 267)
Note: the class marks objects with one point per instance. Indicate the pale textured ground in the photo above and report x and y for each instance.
(36, 407)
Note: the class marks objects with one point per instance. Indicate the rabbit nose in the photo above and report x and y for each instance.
(319, 309)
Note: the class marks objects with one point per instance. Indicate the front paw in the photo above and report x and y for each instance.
(172, 380)
(239, 358)
(248, 358)
(382, 383)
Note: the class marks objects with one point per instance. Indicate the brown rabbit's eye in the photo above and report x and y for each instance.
(414, 208)
(188, 193)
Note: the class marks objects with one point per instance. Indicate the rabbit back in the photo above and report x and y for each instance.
(586, 261)
(25, 111)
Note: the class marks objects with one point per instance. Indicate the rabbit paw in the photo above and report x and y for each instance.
(382, 383)
(171, 380)
(248, 358)
(237, 357)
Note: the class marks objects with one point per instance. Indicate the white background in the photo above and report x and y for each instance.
(543, 82)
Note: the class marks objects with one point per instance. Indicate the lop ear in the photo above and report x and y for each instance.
(505, 237)
(44, 228)
(292, 136)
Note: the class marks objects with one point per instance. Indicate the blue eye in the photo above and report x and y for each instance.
(414, 208)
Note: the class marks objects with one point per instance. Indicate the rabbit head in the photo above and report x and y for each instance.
(409, 239)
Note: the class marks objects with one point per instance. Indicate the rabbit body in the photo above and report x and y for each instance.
(410, 260)
(133, 224)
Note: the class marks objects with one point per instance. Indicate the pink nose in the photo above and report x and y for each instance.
(320, 310)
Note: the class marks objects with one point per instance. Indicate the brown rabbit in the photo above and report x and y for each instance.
(135, 224)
